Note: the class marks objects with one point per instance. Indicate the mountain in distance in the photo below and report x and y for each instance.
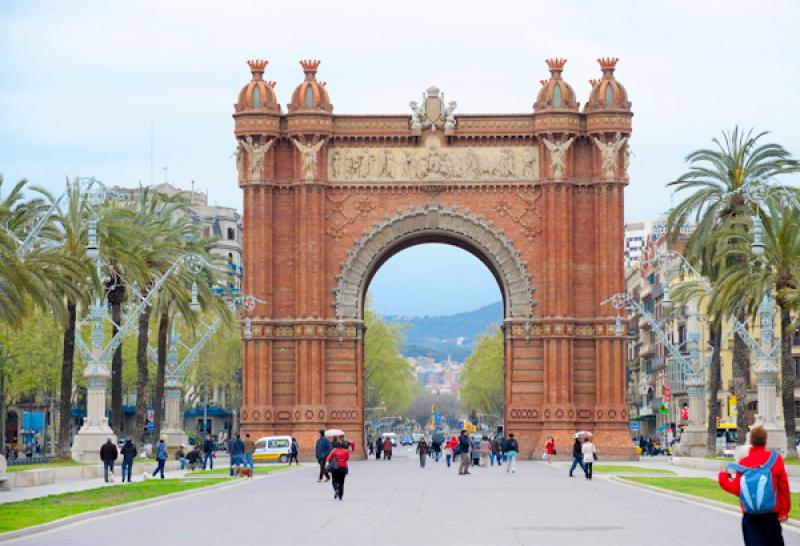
(449, 335)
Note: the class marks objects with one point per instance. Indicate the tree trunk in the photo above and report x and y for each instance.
(141, 373)
(163, 331)
(3, 415)
(741, 381)
(65, 396)
(787, 382)
(714, 374)
(116, 297)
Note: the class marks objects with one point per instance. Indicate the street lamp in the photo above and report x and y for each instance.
(757, 246)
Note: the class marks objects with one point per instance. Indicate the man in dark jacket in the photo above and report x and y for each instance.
(208, 452)
(464, 448)
(128, 454)
(236, 450)
(577, 457)
(108, 454)
(378, 448)
(322, 451)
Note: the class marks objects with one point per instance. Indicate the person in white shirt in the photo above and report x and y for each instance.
(589, 454)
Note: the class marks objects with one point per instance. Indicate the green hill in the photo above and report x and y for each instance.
(450, 335)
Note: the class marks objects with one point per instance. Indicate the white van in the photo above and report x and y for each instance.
(273, 448)
(392, 437)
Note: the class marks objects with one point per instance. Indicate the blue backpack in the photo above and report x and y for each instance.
(755, 487)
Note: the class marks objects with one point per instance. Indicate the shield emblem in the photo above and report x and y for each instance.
(433, 105)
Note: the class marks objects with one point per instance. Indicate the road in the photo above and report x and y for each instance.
(396, 502)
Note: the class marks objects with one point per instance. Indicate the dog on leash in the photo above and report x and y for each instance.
(243, 472)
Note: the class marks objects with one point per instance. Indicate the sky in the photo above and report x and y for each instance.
(82, 83)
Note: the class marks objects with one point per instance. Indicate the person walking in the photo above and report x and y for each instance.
(449, 450)
(249, 450)
(108, 454)
(294, 451)
(549, 449)
(764, 498)
(236, 450)
(161, 457)
(577, 458)
(128, 455)
(511, 450)
(180, 456)
(422, 451)
(436, 446)
(589, 453)
(338, 469)
(370, 448)
(496, 452)
(464, 448)
(387, 449)
(208, 452)
(378, 448)
(321, 452)
(485, 449)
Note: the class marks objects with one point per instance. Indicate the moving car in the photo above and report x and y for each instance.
(273, 448)
(407, 440)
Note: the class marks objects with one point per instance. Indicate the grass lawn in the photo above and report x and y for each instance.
(706, 488)
(20, 514)
(225, 471)
(21, 467)
(623, 469)
(792, 461)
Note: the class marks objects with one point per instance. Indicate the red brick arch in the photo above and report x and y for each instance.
(537, 196)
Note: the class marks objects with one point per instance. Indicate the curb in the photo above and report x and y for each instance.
(69, 520)
(791, 522)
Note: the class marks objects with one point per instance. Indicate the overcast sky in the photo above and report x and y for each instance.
(82, 81)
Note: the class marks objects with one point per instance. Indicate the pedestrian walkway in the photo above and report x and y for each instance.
(396, 502)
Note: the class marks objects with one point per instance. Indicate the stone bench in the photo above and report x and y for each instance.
(37, 476)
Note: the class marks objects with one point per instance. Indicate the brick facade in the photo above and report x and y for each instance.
(328, 198)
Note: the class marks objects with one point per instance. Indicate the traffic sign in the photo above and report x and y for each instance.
(150, 426)
(635, 425)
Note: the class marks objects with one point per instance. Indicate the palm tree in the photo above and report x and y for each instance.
(777, 272)
(718, 179)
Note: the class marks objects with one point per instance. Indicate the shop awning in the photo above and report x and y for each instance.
(644, 418)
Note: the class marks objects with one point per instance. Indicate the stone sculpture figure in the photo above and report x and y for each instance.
(626, 157)
(255, 153)
(449, 115)
(309, 154)
(558, 155)
(609, 153)
(528, 163)
(417, 115)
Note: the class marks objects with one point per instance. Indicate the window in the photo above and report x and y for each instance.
(796, 339)
(261, 444)
(309, 101)
(278, 443)
(796, 360)
(797, 409)
(556, 95)
(681, 334)
(231, 234)
(256, 97)
(230, 258)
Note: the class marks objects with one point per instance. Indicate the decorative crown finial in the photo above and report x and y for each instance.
(607, 63)
(543, 82)
(257, 65)
(309, 66)
(272, 84)
(593, 83)
(556, 65)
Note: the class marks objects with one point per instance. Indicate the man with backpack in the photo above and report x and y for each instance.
(762, 485)
(464, 448)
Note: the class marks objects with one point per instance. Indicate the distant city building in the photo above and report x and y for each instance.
(635, 240)
(222, 223)
(437, 377)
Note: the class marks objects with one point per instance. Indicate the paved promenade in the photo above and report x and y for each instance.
(396, 502)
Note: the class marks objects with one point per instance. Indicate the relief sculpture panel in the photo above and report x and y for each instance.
(433, 162)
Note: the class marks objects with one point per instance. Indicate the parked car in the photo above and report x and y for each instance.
(273, 448)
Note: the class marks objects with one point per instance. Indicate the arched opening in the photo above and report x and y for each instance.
(445, 299)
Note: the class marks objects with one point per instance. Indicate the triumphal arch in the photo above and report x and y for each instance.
(537, 196)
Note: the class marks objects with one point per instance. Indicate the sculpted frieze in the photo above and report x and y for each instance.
(433, 162)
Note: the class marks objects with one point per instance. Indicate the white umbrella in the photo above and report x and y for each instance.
(334, 432)
(583, 433)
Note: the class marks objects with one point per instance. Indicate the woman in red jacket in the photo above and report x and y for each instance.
(341, 454)
(762, 528)
(550, 449)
